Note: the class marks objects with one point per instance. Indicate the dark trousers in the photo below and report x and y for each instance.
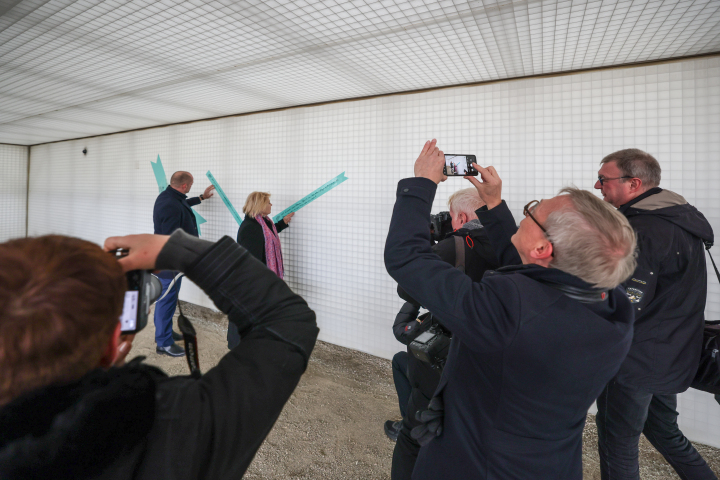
(402, 383)
(164, 311)
(624, 413)
(405, 453)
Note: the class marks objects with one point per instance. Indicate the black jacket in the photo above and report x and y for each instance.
(134, 422)
(526, 361)
(479, 254)
(172, 211)
(668, 291)
(250, 235)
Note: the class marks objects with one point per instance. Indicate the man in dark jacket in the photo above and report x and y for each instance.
(533, 344)
(668, 292)
(475, 257)
(63, 417)
(171, 212)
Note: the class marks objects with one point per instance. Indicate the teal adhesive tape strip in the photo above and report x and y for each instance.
(310, 197)
(224, 198)
(199, 220)
(159, 172)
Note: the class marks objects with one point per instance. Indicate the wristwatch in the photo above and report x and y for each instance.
(201, 197)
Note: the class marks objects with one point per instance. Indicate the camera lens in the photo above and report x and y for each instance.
(153, 289)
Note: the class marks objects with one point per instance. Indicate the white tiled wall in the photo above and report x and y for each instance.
(541, 134)
(13, 190)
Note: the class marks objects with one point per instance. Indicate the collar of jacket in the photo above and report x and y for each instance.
(568, 284)
(76, 430)
(624, 208)
(473, 224)
(172, 191)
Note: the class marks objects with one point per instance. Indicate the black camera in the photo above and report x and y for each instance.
(432, 345)
(440, 226)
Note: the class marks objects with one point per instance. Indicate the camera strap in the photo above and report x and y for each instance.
(191, 348)
(459, 252)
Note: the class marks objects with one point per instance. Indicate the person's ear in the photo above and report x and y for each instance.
(111, 349)
(635, 185)
(542, 251)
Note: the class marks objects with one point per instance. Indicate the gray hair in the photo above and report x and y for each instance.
(592, 241)
(466, 200)
(634, 163)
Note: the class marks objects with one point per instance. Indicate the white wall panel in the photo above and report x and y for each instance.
(13, 190)
(541, 134)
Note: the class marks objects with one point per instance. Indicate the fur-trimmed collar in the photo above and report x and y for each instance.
(76, 430)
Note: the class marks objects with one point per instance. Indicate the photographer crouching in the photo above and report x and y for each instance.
(463, 243)
(69, 410)
(534, 343)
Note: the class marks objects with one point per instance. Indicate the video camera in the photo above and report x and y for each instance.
(440, 226)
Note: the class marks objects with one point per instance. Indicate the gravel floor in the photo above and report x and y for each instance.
(332, 426)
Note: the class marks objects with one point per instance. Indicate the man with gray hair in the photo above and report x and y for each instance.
(668, 292)
(534, 343)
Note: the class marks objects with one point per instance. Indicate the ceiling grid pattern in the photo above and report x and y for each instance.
(75, 68)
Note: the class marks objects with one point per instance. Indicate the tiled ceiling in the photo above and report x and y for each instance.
(72, 69)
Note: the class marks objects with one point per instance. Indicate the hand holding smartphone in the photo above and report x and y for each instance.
(459, 165)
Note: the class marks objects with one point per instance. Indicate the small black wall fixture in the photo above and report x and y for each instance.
(84, 151)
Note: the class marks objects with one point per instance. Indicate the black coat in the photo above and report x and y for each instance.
(479, 255)
(172, 211)
(250, 235)
(135, 423)
(526, 361)
(668, 291)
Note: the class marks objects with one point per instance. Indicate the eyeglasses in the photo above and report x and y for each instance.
(529, 208)
(602, 180)
(526, 211)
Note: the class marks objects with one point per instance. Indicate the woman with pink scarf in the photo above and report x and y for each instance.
(259, 235)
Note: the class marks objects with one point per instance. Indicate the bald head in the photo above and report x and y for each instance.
(181, 181)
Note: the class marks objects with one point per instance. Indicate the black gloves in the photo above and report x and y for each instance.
(432, 422)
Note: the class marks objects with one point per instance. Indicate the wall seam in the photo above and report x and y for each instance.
(27, 194)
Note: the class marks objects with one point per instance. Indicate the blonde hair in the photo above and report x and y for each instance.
(255, 203)
(592, 241)
(466, 201)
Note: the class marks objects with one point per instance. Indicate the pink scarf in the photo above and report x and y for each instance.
(273, 255)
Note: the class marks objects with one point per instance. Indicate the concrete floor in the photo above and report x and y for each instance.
(332, 426)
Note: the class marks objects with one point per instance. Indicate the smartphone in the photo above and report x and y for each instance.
(143, 289)
(459, 165)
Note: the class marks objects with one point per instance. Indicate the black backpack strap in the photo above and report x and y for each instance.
(708, 246)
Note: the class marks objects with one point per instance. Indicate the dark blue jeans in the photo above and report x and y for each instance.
(164, 311)
(624, 413)
(400, 377)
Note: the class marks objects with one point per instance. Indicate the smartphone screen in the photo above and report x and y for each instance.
(459, 165)
(128, 319)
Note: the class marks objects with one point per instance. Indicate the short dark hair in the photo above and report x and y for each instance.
(633, 162)
(180, 178)
(60, 302)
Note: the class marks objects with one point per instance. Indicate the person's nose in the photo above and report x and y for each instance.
(597, 184)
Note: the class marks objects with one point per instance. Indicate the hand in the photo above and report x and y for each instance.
(144, 250)
(288, 217)
(208, 192)
(123, 349)
(430, 163)
(490, 189)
